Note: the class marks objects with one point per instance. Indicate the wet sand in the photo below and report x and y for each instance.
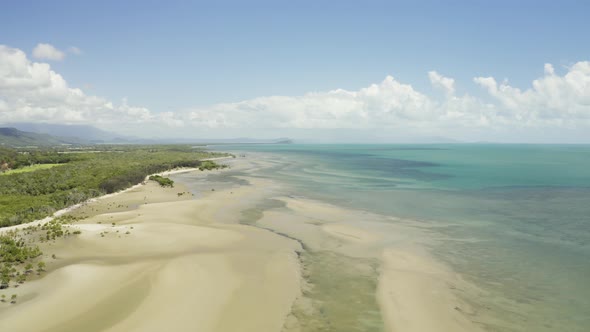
(412, 291)
(174, 270)
(228, 262)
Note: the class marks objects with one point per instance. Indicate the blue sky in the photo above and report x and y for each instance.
(176, 56)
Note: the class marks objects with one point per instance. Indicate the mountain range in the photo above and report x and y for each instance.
(16, 138)
(44, 134)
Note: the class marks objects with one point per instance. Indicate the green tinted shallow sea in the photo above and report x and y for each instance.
(512, 219)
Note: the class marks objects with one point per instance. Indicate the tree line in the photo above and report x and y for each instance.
(85, 174)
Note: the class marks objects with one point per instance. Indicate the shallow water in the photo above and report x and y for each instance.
(512, 219)
(343, 294)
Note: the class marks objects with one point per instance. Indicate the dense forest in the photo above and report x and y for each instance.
(81, 174)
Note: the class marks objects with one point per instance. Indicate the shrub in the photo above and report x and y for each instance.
(164, 182)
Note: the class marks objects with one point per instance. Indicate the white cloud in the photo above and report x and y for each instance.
(31, 91)
(549, 70)
(445, 83)
(48, 52)
(170, 119)
(388, 105)
(382, 104)
(553, 101)
(551, 98)
(74, 50)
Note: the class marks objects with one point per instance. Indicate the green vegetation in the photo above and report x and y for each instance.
(11, 160)
(164, 182)
(14, 249)
(210, 165)
(29, 169)
(85, 173)
(15, 252)
(19, 252)
(32, 188)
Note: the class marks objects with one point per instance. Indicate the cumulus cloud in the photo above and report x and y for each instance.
(48, 52)
(551, 98)
(445, 83)
(383, 104)
(389, 104)
(32, 91)
(553, 101)
(549, 70)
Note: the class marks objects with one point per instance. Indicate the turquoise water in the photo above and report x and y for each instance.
(512, 219)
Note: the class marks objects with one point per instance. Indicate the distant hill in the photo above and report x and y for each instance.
(242, 140)
(85, 133)
(13, 137)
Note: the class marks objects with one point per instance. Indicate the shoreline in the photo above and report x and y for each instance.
(72, 208)
(131, 270)
(144, 252)
(414, 291)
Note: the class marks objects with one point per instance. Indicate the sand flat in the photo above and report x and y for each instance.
(414, 295)
(55, 302)
(414, 291)
(166, 264)
(149, 259)
(187, 294)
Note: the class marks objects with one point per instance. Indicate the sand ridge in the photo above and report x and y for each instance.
(414, 291)
(153, 259)
(164, 264)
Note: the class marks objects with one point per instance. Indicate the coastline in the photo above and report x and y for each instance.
(219, 277)
(414, 292)
(149, 247)
(72, 208)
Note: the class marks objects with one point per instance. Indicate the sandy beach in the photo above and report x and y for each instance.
(162, 266)
(153, 259)
(413, 291)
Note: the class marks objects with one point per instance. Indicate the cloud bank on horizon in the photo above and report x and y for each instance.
(33, 92)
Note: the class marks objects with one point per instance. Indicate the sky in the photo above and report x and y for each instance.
(327, 71)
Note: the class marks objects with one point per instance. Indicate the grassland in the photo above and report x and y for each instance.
(32, 168)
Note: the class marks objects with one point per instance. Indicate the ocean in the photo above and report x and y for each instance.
(513, 220)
